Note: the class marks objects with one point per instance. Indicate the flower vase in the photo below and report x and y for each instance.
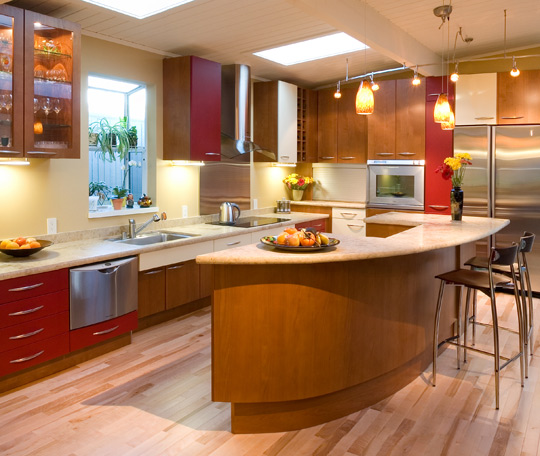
(456, 203)
(297, 195)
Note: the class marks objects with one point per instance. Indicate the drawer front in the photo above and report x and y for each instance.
(348, 214)
(14, 313)
(90, 335)
(23, 334)
(319, 225)
(34, 285)
(232, 242)
(352, 227)
(34, 353)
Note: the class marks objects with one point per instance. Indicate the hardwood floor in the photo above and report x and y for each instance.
(153, 398)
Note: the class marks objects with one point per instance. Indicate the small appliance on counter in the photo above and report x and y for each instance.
(226, 212)
(283, 206)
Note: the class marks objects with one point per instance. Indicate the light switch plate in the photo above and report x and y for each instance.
(255, 203)
(184, 211)
(51, 226)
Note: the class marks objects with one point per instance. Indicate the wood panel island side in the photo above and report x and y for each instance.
(299, 339)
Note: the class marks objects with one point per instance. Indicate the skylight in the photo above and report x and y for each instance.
(95, 82)
(138, 8)
(317, 48)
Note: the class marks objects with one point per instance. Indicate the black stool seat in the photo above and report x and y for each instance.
(479, 262)
(479, 280)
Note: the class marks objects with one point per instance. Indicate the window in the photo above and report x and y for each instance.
(113, 101)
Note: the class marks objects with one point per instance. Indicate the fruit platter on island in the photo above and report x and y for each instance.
(21, 246)
(302, 240)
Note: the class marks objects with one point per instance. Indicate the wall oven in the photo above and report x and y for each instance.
(396, 184)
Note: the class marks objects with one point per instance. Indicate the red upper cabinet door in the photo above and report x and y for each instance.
(191, 109)
(11, 81)
(439, 145)
(52, 87)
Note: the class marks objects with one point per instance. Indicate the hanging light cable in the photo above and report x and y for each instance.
(365, 102)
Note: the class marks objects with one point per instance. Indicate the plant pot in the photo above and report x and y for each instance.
(117, 203)
(297, 195)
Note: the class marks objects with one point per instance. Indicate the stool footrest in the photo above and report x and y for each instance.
(478, 350)
(513, 331)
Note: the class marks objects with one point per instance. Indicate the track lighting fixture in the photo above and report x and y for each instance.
(337, 93)
(416, 79)
(374, 85)
(455, 75)
(514, 71)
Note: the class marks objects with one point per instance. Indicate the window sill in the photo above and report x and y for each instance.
(110, 212)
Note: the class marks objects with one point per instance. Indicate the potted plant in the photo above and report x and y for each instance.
(119, 194)
(133, 138)
(97, 194)
(113, 140)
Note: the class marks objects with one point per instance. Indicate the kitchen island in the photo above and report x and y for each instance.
(299, 339)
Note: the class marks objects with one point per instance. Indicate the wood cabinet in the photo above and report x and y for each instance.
(40, 85)
(476, 99)
(342, 133)
(315, 210)
(396, 128)
(348, 221)
(517, 98)
(307, 126)
(191, 109)
(151, 289)
(318, 224)
(275, 122)
(181, 284)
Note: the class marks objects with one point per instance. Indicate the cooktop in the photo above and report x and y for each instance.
(250, 222)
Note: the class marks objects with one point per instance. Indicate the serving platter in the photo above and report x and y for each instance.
(272, 241)
(27, 252)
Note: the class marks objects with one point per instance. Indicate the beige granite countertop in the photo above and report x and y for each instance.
(428, 232)
(85, 247)
(355, 205)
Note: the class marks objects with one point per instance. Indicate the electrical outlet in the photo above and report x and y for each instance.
(184, 211)
(51, 226)
(255, 203)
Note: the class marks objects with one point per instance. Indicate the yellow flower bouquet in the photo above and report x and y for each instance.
(454, 168)
(296, 182)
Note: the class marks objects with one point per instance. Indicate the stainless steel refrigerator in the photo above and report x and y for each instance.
(504, 182)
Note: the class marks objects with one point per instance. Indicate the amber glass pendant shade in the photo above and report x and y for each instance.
(442, 109)
(364, 99)
(450, 124)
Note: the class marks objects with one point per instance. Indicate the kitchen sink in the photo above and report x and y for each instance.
(155, 237)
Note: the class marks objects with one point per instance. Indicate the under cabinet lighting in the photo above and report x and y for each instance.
(139, 9)
(186, 163)
(317, 48)
(283, 165)
(14, 161)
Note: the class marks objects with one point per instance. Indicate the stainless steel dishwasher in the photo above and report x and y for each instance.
(101, 291)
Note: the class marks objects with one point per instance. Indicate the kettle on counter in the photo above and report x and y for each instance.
(226, 212)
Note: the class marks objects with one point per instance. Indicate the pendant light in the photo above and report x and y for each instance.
(337, 93)
(374, 85)
(365, 103)
(514, 71)
(450, 124)
(454, 77)
(416, 79)
(364, 99)
(442, 110)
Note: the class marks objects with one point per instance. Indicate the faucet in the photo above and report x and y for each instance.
(133, 231)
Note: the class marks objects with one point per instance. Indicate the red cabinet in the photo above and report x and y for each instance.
(439, 145)
(319, 225)
(191, 109)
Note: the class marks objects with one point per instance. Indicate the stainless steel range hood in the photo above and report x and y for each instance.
(236, 142)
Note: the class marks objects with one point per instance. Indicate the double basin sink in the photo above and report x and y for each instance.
(154, 237)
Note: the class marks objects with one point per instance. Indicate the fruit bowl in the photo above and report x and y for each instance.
(26, 252)
(272, 241)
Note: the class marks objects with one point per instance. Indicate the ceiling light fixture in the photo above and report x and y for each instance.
(442, 111)
(374, 85)
(416, 80)
(450, 124)
(139, 9)
(454, 77)
(514, 71)
(365, 103)
(337, 93)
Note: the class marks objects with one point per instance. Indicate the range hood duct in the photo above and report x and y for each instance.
(236, 144)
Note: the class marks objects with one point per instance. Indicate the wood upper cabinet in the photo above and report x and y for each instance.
(476, 99)
(191, 109)
(307, 126)
(342, 133)
(52, 87)
(275, 119)
(518, 98)
(396, 129)
(382, 123)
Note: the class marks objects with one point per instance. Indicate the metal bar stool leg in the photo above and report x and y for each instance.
(521, 299)
(522, 324)
(460, 315)
(530, 329)
(496, 347)
(436, 331)
(466, 323)
(475, 296)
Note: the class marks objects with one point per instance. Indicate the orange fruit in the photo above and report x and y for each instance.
(4, 243)
(12, 245)
(30, 239)
(20, 241)
(34, 244)
(281, 238)
(291, 230)
(292, 240)
(25, 246)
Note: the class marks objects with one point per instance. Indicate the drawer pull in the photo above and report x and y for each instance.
(40, 152)
(178, 266)
(284, 156)
(347, 158)
(384, 153)
(24, 336)
(357, 226)
(511, 117)
(484, 118)
(153, 272)
(438, 208)
(106, 331)
(233, 243)
(29, 287)
(212, 153)
(10, 152)
(28, 358)
(406, 153)
(327, 158)
(345, 214)
(25, 312)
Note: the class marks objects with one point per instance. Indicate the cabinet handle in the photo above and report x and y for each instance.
(24, 336)
(438, 208)
(234, 243)
(212, 153)
(284, 156)
(406, 153)
(10, 152)
(178, 266)
(344, 214)
(28, 358)
(106, 331)
(511, 117)
(153, 272)
(384, 153)
(347, 158)
(358, 226)
(327, 158)
(39, 152)
(484, 118)
(29, 287)
(25, 312)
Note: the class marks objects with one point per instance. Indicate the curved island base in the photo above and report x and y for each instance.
(296, 345)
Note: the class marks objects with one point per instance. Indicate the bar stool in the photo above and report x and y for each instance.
(522, 274)
(488, 283)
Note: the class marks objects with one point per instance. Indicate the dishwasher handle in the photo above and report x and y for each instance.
(110, 270)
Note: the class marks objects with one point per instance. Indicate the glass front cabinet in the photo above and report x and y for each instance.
(39, 85)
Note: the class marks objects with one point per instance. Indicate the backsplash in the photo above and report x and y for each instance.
(336, 182)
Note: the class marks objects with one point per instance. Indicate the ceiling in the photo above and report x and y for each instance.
(229, 31)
